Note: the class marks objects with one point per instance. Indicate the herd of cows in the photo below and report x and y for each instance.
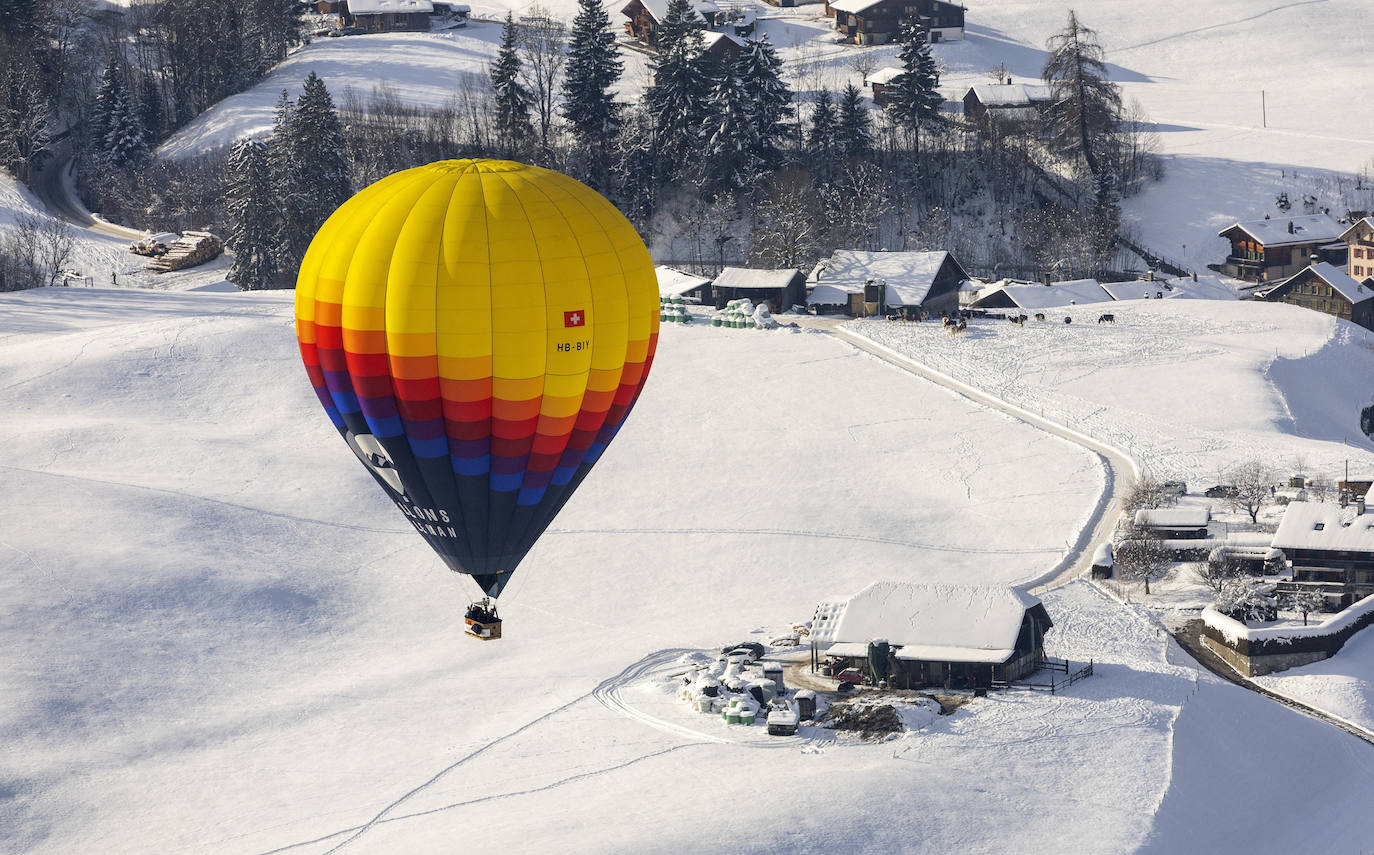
(958, 325)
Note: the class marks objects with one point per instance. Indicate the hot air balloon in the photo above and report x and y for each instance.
(478, 330)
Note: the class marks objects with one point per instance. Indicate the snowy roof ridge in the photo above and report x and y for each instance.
(1009, 94)
(1072, 292)
(756, 277)
(886, 74)
(853, 7)
(932, 615)
(674, 283)
(1307, 228)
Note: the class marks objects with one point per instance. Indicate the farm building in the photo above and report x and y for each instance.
(1034, 298)
(1174, 523)
(879, 80)
(959, 636)
(720, 48)
(1326, 288)
(1205, 287)
(1270, 250)
(646, 15)
(675, 283)
(1359, 240)
(780, 289)
(875, 22)
(1004, 104)
(859, 282)
(1331, 548)
(387, 16)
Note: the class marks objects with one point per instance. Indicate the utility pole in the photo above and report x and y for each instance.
(1264, 112)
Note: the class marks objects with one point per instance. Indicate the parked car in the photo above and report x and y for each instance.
(347, 31)
(851, 675)
(1221, 491)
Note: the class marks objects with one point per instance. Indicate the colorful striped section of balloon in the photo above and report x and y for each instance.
(478, 331)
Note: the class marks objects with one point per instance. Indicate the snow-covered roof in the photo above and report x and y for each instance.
(1073, 291)
(886, 74)
(1010, 94)
(748, 277)
(675, 283)
(705, 9)
(709, 38)
(1207, 287)
(909, 275)
(1289, 230)
(828, 295)
(853, 7)
(1102, 557)
(1340, 282)
(1173, 517)
(1322, 525)
(389, 7)
(929, 621)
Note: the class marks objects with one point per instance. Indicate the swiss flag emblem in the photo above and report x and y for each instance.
(575, 319)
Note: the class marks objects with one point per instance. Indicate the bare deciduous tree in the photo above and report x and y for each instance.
(787, 222)
(1141, 556)
(1254, 486)
(542, 41)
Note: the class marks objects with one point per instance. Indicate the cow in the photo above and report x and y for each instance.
(1017, 319)
(1106, 319)
(1039, 316)
(947, 322)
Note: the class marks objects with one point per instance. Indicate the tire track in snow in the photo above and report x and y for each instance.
(1220, 26)
(786, 532)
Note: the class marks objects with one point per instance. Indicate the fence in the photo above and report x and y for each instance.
(1054, 685)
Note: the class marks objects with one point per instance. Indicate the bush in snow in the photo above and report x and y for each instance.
(1246, 599)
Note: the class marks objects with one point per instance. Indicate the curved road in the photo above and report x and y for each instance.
(1121, 470)
(50, 184)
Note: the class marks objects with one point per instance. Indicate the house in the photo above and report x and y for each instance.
(875, 22)
(1005, 104)
(879, 80)
(388, 16)
(1359, 240)
(1330, 547)
(1270, 250)
(646, 15)
(1174, 523)
(675, 283)
(859, 282)
(720, 48)
(1326, 288)
(1032, 297)
(780, 289)
(935, 634)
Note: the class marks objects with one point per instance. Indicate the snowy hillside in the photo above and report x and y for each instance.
(222, 640)
(1188, 387)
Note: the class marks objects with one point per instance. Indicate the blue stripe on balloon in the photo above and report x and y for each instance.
(429, 447)
(347, 402)
(333, 413)
(472, 465)
(593, 453)
(530, 496)
(563, 474)
(506, 483)
(386, 428)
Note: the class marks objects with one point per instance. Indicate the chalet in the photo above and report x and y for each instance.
(880, 80)
(956, 636)
(780, 289)
(675, 283)
(1032, 297)
(1174, 523)
(860, 283)
(646, 15)
(720, 48)
(1270, 250)
(1359, 239)
(875, 22)
(1325, 288)
(388, 16)
(1005, 104)
(1331, 548)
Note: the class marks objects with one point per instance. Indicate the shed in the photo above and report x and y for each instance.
(1006, 103)
(908, 282)
(1032, 297)
(1103, 561)
(878, 81)
(780, 289)
(1174, 523)
(674, 283)
(937, 634)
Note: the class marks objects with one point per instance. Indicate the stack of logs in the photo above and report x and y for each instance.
(190, 249)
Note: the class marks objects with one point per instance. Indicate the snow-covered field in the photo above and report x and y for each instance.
(1187, 387)
(222, 640)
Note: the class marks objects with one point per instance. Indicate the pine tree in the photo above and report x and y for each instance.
(314, 166)
(759, 71)
(111, 84)
(820, 139)
(124, 138)
(256, 231)
(853, 130)
(733, 139)
(593, 68)
(513, 100)
(677, 99)
(150, 108)
(1085, 106)
(913, 99)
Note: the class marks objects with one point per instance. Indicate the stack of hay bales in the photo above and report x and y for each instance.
(672, 310)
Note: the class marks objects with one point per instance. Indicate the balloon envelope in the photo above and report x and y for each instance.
(478, 330)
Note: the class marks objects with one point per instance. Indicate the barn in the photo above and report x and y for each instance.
(918, 635)
(1326, 288)
(1033, 297)
(865, 283)
(780, 289)
(387, 16)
